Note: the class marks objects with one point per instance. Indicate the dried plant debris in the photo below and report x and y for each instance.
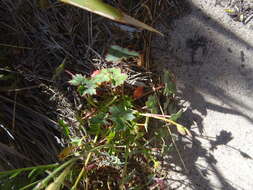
(240, 10)
(40, 41)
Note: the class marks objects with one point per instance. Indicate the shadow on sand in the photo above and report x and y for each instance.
(185, 51)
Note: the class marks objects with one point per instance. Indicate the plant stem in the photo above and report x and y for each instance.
(86, 163)
(82, 172)
(171, 122)
(90, 101)
(125, 167)
(44, 182)
(78, 178)
(111, 102)
(160, 118)
(30, 185)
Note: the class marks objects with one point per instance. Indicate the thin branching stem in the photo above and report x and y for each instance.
(82, 172)
(173, 141)
(160, 118)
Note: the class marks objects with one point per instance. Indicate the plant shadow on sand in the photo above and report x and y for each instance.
(187, 51)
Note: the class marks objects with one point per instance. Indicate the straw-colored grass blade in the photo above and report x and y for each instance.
(108, 11)
(56, 185)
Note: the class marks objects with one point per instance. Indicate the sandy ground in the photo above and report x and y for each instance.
(212, 58)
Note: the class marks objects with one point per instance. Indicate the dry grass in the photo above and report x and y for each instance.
(34, 42)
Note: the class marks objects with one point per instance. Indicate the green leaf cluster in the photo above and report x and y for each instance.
(113, 131)
(88, 85)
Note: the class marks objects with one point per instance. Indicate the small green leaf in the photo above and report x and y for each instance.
(87, 87)
(116, 54)
(151, 103)
(99, 119)
(77, 80)
(65, 127)
(90, 87)
(170, 85)
(118, 78)
(103, 76)
(127, 102)
(113, 75)
(111, 136)
(120, 115)
(81, 90)
(97, 122)
(120, 112)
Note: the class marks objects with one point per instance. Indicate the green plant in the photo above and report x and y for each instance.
(115, 138)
